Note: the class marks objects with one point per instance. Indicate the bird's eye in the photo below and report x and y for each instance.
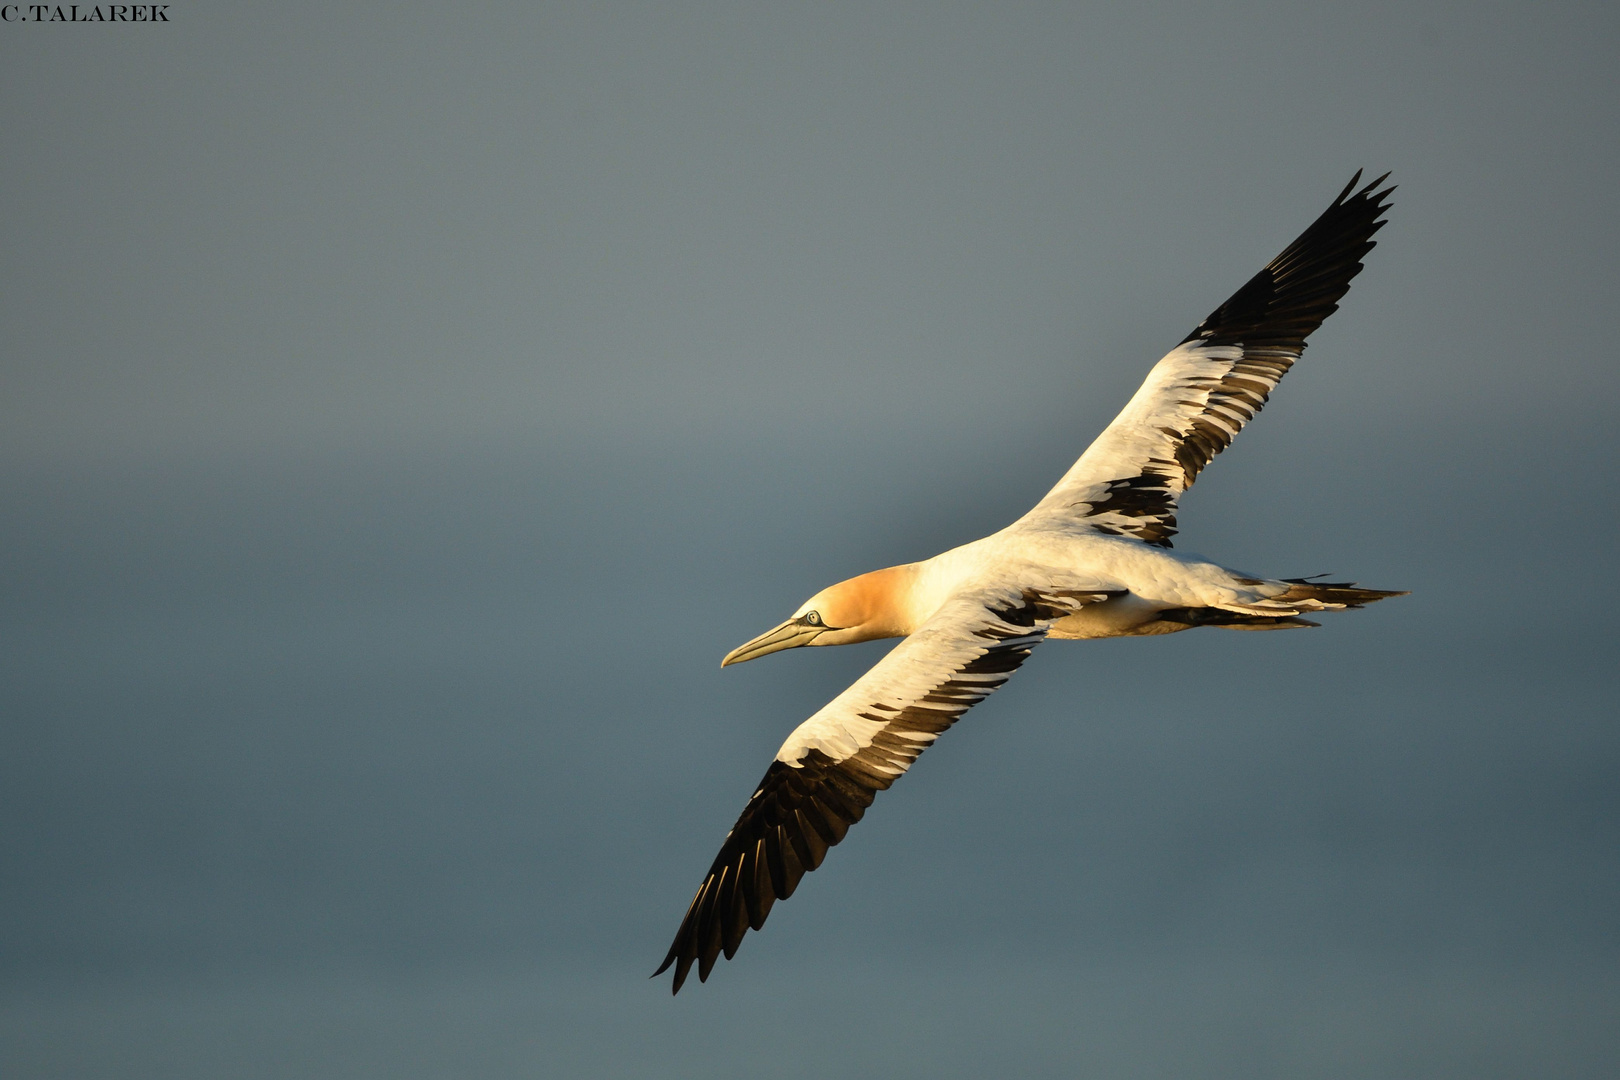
(813, 619)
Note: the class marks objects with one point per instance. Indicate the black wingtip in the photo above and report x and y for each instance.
(680, 973)
(1283, 304)
(1374, 196)
(1366, 191)
(1348, 188)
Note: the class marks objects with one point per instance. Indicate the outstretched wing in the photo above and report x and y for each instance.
(833, 765)
(1200, 395)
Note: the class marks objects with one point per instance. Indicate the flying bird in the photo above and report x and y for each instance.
(1092, 560)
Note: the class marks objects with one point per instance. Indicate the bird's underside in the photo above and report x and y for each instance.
(1090, 560)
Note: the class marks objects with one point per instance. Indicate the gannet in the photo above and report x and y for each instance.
(1091, 560)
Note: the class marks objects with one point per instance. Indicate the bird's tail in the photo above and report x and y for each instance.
(1187, 618)
(1307, 595)
(1299, 596)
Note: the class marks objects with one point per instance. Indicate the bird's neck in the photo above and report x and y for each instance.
(882, 602)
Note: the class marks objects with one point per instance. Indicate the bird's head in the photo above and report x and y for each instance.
(860, 609)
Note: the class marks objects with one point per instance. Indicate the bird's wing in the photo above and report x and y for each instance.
(827, 773)
(1200, 395)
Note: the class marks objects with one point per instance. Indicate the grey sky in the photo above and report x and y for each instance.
(404, 408)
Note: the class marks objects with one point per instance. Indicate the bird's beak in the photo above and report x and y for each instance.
(790, 635)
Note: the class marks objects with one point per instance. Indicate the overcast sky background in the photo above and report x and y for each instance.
(403, 408)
